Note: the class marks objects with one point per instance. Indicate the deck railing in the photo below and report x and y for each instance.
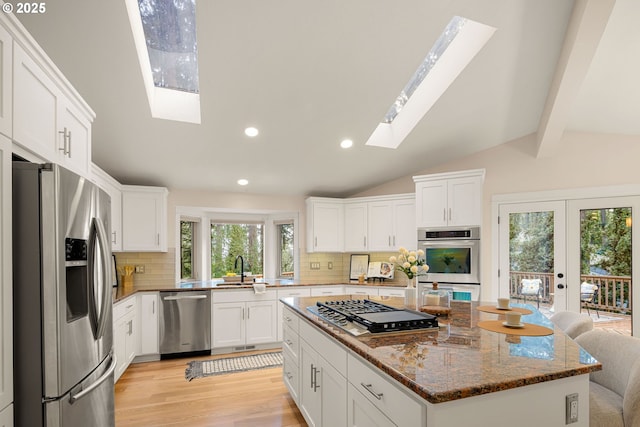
(614, 292)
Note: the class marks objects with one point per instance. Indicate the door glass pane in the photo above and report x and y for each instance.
(605, 267)
(531, 257)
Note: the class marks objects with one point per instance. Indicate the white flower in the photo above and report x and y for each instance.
(420, 252)
(411, 258)
(414, 268)
(406, 265)
(412, 253)
(425, 268)
(392, 260)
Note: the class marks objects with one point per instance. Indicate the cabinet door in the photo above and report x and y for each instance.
(362, 413)
(465, 201)
(310, 401)
(319, 291)
(381, 226)
(291, 375)
(404, 224)
(74, 136)
(355, 227)
(35, 104)
(6, 417)
(328, 227)
(228, 324)
(131, 329)
(431, 203)
(261, 322)
(361, 290)
(6, 78)
(144, 219)
(6, 283)
(116, 211)
(120, 331)
(149, 323)
(333, 392)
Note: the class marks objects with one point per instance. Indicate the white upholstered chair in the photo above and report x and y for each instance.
(531, 288)
(614, 392)
(572, 323)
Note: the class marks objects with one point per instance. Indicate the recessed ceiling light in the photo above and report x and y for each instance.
(243, 181)
(251, 132)
(346, 143)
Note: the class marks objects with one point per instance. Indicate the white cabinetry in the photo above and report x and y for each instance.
(148, 315)
(319, 291)
(449, 199)
(392, 224)
(355, 227)
(113, 189)
(325, 225)
(323, 385)
(240, 318)
(291, 353)
(46, 122)
(6, 79)
(6, 281)
(362, 412)
(285, 293)
(125, 327)
(361, 290)
(144, 218)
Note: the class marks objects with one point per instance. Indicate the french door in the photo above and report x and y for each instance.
(532, 246)
(569, 243)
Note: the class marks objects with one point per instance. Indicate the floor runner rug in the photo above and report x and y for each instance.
(206, 368)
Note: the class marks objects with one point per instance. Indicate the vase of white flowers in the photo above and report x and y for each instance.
(412, 264)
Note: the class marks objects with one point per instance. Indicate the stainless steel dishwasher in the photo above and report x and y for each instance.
(185, 322)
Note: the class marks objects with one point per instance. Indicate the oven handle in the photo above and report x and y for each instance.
(448, 243)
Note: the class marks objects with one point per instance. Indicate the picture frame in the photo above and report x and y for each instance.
(115, 280)
(359, 265)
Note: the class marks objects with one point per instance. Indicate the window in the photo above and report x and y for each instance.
(188, 243)
(228, 240)
(285, 250)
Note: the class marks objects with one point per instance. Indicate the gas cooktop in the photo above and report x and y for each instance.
(365, 316)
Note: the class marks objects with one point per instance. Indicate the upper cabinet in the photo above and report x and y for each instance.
(6, 88)
(49, 119)
(325, 225)
(374, 224)
(114, 190)
(144, 218)
(449, 199)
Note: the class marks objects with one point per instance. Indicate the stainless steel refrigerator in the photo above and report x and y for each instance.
(63, 334)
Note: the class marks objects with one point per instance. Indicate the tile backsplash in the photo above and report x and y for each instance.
(159, 267)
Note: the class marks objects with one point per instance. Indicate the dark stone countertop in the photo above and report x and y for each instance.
(460, 359)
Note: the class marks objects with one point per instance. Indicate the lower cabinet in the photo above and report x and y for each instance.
(361, 412)
(323, 390)
(148, 314)
(124, 334)
(250, 319)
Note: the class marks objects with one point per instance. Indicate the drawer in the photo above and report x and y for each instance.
(331, 351)
(361, 290)
(318, 291)
(295, 292)
(290, 319)
(391, 292)
(291, 341)
(244, 295)
(124, 307)
(385, 394)
(291, 374)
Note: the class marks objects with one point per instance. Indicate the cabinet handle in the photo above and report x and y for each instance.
(315, 379)
(288, 374)
(248, 312)
(315, 242)
(158, 239)
(368, 388)
(389, 240)
(66, 145)
(449, 214)
(365, 241)
(130, 328)
(115, 239)
(153, 307)
(313, 370)
(444, 214)
(287, 318)
(243, 314)
(289, 342)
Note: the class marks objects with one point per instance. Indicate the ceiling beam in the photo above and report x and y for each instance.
(586, 27)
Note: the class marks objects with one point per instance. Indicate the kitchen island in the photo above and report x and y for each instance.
(456, 375)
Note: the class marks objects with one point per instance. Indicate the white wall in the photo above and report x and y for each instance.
(582, 160)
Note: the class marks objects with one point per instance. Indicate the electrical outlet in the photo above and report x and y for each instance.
(314, 266)
(139, 269)
(572, 408)
(330, 265)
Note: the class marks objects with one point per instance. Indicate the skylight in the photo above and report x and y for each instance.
(460, 41)
(164, 32)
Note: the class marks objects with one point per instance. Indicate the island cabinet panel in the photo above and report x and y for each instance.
(361, 412)
(384, 394)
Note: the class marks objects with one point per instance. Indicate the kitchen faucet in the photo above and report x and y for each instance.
(241, 267)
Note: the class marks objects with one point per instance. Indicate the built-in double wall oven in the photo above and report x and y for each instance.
(453, 256)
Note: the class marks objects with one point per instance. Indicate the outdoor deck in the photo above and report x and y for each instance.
(612, 322)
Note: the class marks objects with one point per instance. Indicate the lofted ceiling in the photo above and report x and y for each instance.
(308, 74)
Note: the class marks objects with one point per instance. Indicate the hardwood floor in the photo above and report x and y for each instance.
(157, 394)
